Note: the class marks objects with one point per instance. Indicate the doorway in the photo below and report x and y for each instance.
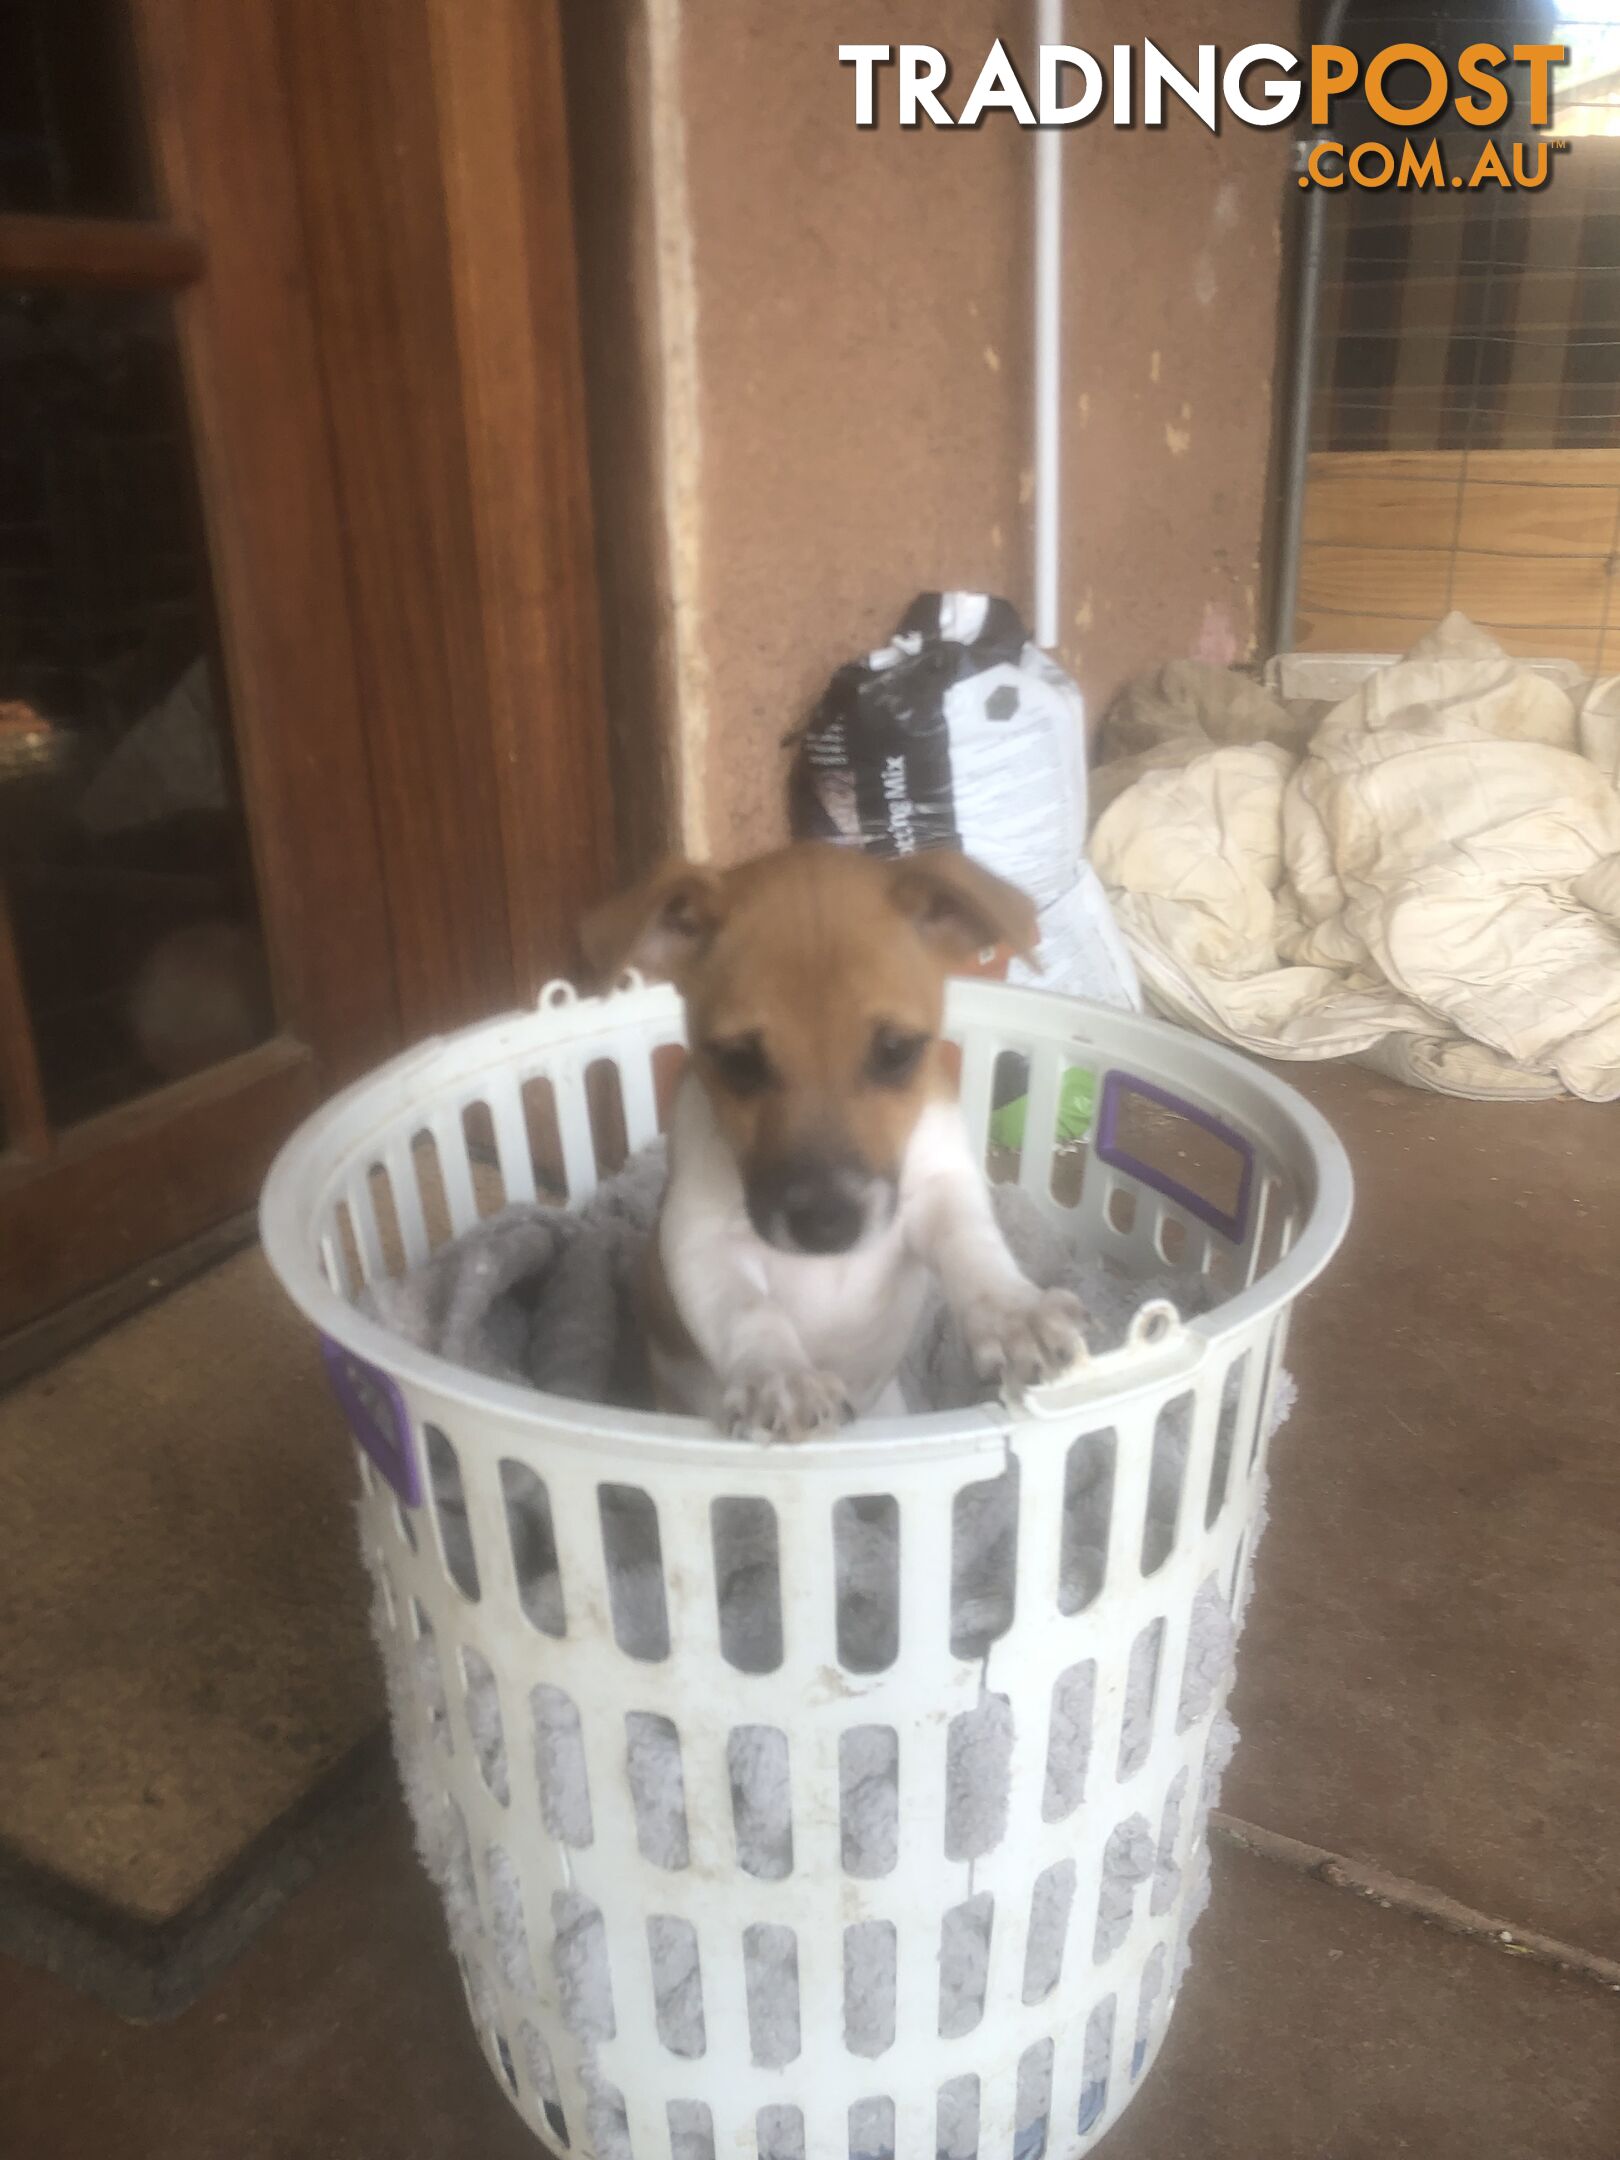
(301, 749)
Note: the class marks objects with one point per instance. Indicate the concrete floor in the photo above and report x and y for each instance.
(1312, 2024)
(1428, 1685)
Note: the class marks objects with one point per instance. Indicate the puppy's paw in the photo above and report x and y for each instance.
(793, 1404)
(1025, 1340)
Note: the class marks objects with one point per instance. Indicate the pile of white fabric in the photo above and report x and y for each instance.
(1427, 877)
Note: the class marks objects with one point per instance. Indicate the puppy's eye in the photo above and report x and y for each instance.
(740, 1065)
(894, 1056)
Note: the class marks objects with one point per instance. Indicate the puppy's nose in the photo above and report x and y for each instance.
(822, 1215)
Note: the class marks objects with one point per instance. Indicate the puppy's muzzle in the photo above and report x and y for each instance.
(818, 1204)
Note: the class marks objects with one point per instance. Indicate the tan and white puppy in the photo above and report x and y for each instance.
(819, 1169)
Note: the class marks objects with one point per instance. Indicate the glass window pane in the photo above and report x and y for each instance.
(122, 842)
(70, 138)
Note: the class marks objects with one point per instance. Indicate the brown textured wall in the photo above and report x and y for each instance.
(1174, 261)
(854, 308)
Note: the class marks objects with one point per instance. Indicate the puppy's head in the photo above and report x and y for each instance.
(814, 982)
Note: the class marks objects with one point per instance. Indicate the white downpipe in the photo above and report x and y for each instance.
(1048, 347)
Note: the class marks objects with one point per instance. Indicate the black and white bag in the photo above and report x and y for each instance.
(962, 733)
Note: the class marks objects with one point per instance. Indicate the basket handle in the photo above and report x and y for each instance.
(559, 993)
(1158, 1347)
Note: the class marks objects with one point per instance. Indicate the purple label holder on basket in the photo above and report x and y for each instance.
(377, 1417)
(1109, 1149)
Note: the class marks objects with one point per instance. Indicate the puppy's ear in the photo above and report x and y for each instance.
(660, 926)
(960, 907)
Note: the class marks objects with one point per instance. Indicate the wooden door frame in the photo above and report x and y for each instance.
(432, 155)
(224, 155)
(366, 222)
(95, 1200)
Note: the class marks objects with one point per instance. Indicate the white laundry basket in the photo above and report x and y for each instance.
(905, 1869)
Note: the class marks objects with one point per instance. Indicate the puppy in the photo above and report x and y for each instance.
(819, 1169)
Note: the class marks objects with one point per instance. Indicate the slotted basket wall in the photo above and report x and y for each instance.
(933, 1960)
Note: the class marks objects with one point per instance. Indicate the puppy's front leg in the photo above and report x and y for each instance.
(772, 1393)
(1015, 1332)
(757, 1381)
